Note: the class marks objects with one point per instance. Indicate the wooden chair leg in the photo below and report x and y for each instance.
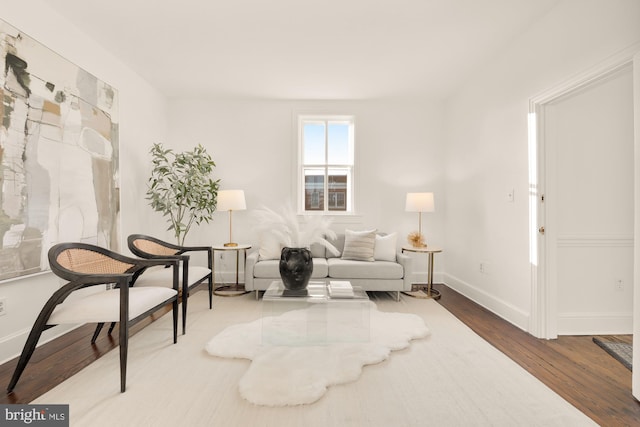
(32, 340)
(111, 328)
(99, 327)
(124, 347)
(210, 292)
(185, 291)
(185, 297)
(27, 352)
(175, 321)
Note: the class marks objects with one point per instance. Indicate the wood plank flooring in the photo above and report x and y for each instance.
(572, 366)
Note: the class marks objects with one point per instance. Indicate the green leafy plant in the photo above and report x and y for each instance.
(181, 187)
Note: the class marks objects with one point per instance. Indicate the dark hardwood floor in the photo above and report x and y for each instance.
(572, 366)
(61, 358)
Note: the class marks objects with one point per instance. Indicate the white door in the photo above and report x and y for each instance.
(589, 206)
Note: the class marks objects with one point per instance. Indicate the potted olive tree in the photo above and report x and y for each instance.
(181, 187)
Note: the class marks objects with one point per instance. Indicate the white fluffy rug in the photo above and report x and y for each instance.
(294, 375)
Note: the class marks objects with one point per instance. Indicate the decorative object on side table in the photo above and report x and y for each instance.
(182, 189)
(419, 202)
(283, 230)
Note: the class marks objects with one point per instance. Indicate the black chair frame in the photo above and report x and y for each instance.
(179, 255)
(122, 281)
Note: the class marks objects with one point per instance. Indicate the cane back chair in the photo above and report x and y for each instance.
(191, 276)
(112, 298)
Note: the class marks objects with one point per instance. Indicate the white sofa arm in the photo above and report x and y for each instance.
(407, 264)
(249, 265)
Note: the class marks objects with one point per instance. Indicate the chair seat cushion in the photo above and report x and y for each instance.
(161, 276)
(104, 306)
(271, 269)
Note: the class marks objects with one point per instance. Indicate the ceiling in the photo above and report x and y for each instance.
(304, 49)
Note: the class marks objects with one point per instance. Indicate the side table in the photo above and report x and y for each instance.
(229, 287)
(429, 250)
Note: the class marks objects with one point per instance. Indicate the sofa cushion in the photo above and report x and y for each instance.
(270, 269)
(349, 269)
(161, 276)
(317, 250)
(359, 245)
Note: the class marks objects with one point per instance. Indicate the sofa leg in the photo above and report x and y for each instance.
(397, 296)
(257, 295)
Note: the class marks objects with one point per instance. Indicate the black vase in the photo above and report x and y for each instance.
(296, 266)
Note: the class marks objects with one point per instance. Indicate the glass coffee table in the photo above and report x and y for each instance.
(314, 319)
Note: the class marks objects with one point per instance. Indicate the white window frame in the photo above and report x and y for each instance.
(350, 198)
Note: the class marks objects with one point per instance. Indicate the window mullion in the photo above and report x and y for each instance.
(326, 163)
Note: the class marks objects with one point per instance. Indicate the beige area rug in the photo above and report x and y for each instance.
(450, 378)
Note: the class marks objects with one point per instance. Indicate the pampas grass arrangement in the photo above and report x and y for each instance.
(286, 228)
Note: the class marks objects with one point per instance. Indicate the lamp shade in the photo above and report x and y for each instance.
(419, 202)
(231, 200)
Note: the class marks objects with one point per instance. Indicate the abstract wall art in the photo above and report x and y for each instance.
(58, 155)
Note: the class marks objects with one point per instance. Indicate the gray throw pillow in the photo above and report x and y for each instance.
(359, 245)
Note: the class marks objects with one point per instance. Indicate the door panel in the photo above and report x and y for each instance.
(590, 205)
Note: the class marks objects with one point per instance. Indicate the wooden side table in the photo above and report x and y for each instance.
(429, 250)
(229, 287)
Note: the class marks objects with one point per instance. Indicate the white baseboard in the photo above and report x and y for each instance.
(497, 306)
(595, 324)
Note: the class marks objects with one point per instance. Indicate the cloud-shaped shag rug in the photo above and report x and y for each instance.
(297, 375)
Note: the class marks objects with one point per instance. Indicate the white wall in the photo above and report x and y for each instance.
(635, 385)
(142, 118)
(487, 146)
(399, 148)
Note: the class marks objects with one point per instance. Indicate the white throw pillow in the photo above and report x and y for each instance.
(385, 248)
(359, 245)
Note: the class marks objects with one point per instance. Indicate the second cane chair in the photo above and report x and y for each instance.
(191, 276)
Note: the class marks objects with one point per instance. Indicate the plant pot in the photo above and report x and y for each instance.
(296, 266)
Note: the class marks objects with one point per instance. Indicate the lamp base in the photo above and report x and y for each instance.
(230, 245)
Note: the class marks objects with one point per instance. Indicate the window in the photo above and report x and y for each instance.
(326, 163)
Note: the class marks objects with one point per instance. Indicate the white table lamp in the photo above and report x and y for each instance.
(419, 202)
(231, 200)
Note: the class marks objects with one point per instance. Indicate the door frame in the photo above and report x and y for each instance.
(543, 322)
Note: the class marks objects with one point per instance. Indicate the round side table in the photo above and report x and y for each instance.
(429, 250)
(229, 287)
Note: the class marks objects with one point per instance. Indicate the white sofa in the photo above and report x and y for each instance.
(379, 275)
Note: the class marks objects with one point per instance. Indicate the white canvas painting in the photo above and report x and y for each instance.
(58, 155)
